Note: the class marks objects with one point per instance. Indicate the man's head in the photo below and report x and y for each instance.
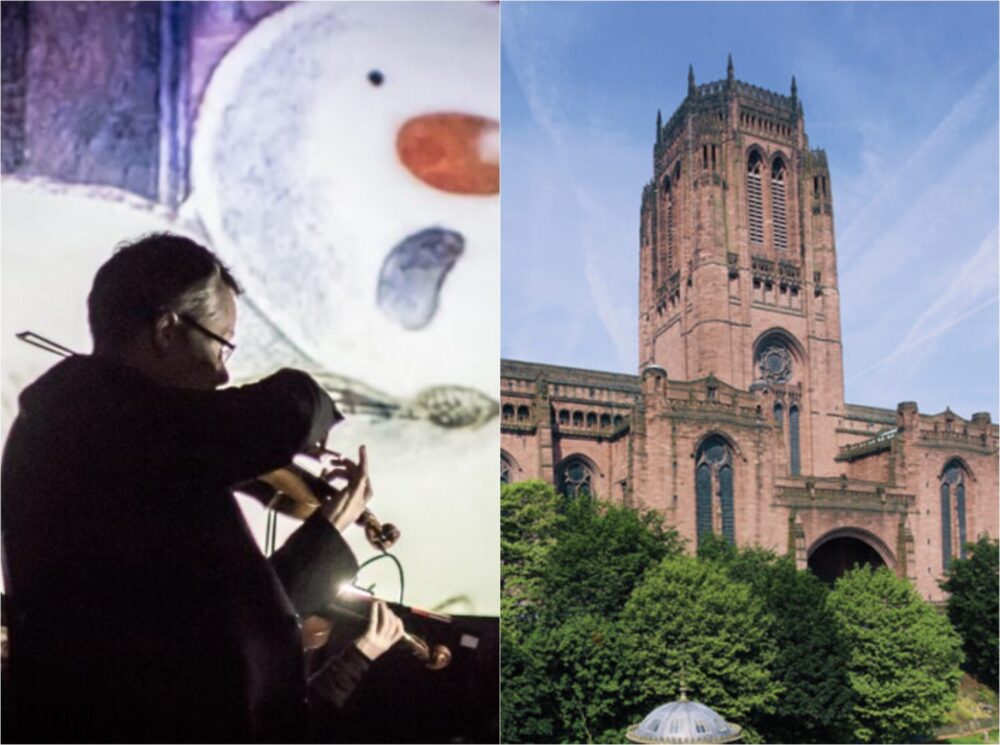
(164, 305)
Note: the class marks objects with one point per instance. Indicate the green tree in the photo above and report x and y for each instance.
(530, 520)
(527, 711)
(974, 584)
(811, 662)
(569, 567)
(530, 516)
(904, 656)
(689, 616)
(601, 553)
(583, 659)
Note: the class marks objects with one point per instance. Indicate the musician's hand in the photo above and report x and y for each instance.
(384, 630)
(346, 507)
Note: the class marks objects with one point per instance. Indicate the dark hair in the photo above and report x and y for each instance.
(147, 275)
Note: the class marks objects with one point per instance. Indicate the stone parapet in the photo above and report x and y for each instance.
(840, 494)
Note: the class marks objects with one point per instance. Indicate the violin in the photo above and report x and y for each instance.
(316, 629)
(295, 491)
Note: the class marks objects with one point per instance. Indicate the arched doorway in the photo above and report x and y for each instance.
(839, 551)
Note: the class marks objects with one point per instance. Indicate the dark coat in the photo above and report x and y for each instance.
(142, 607)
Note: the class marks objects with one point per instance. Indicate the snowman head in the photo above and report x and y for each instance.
(345, 162)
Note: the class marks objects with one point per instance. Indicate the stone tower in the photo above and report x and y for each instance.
(736, 423)
(738, 273)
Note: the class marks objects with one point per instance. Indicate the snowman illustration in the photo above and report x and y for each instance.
(345, 162)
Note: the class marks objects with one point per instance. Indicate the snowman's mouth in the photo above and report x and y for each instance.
(409, 283)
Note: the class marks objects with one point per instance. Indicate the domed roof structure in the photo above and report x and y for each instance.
(683, 721)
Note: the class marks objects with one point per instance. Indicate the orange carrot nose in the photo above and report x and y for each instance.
(457, 153)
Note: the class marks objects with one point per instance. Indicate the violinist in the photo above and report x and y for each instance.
(142, 609)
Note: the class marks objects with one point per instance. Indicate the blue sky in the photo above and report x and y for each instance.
(903, 98)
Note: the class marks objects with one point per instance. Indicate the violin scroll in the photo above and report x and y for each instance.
(380, 535)
(437, 657)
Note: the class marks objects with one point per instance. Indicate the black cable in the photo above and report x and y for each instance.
(399, 568)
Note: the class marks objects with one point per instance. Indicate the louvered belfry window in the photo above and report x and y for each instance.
(755, 209)
(669, 197)
(778, 208)
(670, 232)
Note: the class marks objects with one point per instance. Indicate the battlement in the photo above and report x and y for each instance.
(710, 95)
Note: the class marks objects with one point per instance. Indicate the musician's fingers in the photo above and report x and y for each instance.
(341, 462)
(363, 459)
(396, 629)
(336, 473)
(373, 619)
(392, 627)
(344, 469)
(383, 616)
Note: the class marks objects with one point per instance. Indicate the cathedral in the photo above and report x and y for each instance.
(736, 423)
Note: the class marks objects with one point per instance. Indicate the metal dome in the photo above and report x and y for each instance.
(683, 721)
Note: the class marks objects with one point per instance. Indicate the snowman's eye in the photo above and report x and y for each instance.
(457, 153)
(376, 78)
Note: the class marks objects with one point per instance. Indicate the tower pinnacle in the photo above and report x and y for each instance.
(729, 68)
(691, 80)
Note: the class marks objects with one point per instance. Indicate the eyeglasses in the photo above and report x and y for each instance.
(226, 347)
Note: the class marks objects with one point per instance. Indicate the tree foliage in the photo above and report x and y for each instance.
(601, 553)
(811, 661)
(526, 696)
(973, 607)
(602, 615)
(904, 656)
(690, 619)
(531, 515)
(569, 567)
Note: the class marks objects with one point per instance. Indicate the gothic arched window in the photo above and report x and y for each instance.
(779, 219)
(523, 413)
(506, 468)
(507, 413)
(575, 477)
(953, 535)
(794, 460)
(714, 489)
(755, 204)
